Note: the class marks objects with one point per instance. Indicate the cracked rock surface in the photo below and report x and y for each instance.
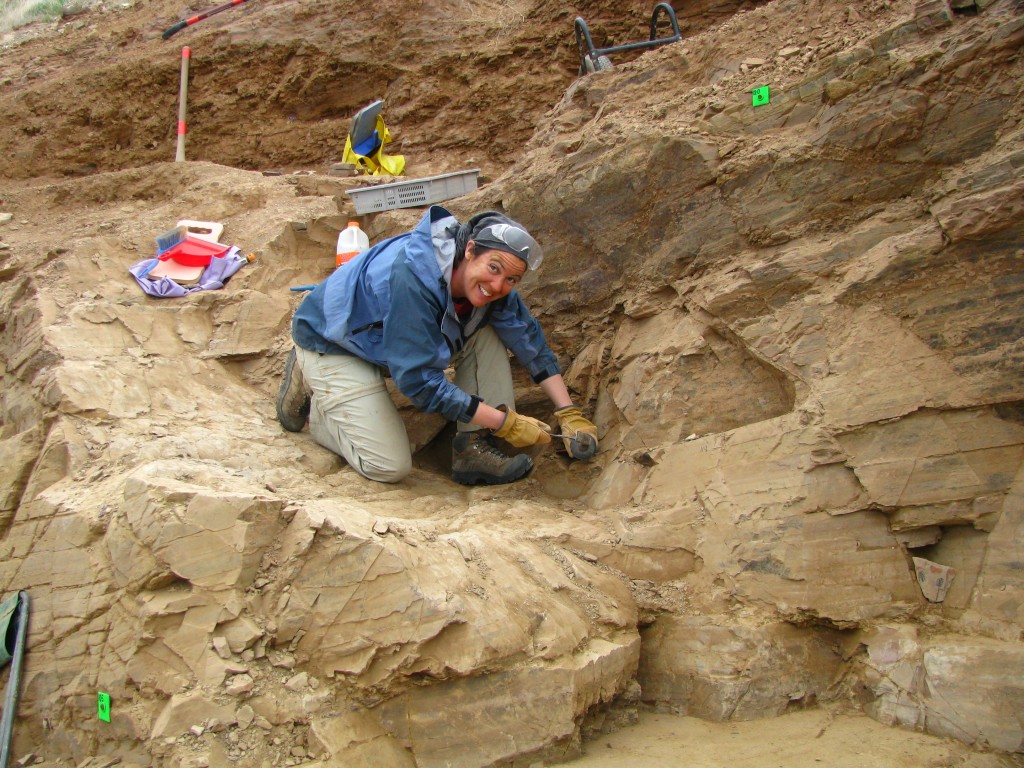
(798, 328)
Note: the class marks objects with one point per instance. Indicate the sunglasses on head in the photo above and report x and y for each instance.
(511, 239)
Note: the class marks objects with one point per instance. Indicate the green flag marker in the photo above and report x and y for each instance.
(103, 706)
(761, 96)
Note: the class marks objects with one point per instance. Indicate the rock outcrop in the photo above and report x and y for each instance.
(806, 340)
(798, 327)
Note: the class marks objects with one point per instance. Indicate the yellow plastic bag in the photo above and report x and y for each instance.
(374, 161)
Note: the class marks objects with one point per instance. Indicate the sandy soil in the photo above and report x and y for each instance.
(807, 739)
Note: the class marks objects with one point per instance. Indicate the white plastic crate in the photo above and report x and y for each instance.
(409, 194)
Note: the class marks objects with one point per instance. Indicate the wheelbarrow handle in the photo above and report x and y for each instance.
(174, 30)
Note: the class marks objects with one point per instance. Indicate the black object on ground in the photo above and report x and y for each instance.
(15, 630)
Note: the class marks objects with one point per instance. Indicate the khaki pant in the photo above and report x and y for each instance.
(352, 414)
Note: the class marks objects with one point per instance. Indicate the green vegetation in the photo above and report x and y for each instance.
(18, 13)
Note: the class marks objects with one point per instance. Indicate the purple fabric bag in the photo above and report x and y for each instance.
(213, 277)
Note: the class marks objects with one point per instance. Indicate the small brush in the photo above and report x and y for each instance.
(169, 239)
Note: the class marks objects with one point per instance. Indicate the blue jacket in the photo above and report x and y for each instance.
(392, 306)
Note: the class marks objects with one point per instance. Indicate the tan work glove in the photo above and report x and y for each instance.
(522, 431)
(572, 422)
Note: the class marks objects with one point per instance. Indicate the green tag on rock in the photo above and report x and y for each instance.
(761, 96)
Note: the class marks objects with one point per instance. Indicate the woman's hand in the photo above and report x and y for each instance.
(572, 422)
(522, 431)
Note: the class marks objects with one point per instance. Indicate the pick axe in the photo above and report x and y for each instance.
(195, 19)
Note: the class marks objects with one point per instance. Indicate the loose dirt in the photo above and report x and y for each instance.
(807, 739)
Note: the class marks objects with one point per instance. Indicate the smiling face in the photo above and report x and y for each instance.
(486, 275)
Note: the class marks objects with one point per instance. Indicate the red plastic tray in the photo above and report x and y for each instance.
(194, 252)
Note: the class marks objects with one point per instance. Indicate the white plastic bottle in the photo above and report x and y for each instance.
(351, 242)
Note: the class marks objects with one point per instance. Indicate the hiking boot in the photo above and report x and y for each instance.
(292, 398)
(476, 459)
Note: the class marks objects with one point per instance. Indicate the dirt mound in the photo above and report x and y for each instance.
(275, 85)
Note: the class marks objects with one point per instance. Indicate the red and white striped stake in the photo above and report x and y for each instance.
(182, 98)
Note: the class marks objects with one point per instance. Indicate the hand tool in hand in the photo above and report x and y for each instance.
(571, 421)
(586, 444)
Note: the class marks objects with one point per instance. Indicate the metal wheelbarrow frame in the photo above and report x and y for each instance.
(596, 59)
